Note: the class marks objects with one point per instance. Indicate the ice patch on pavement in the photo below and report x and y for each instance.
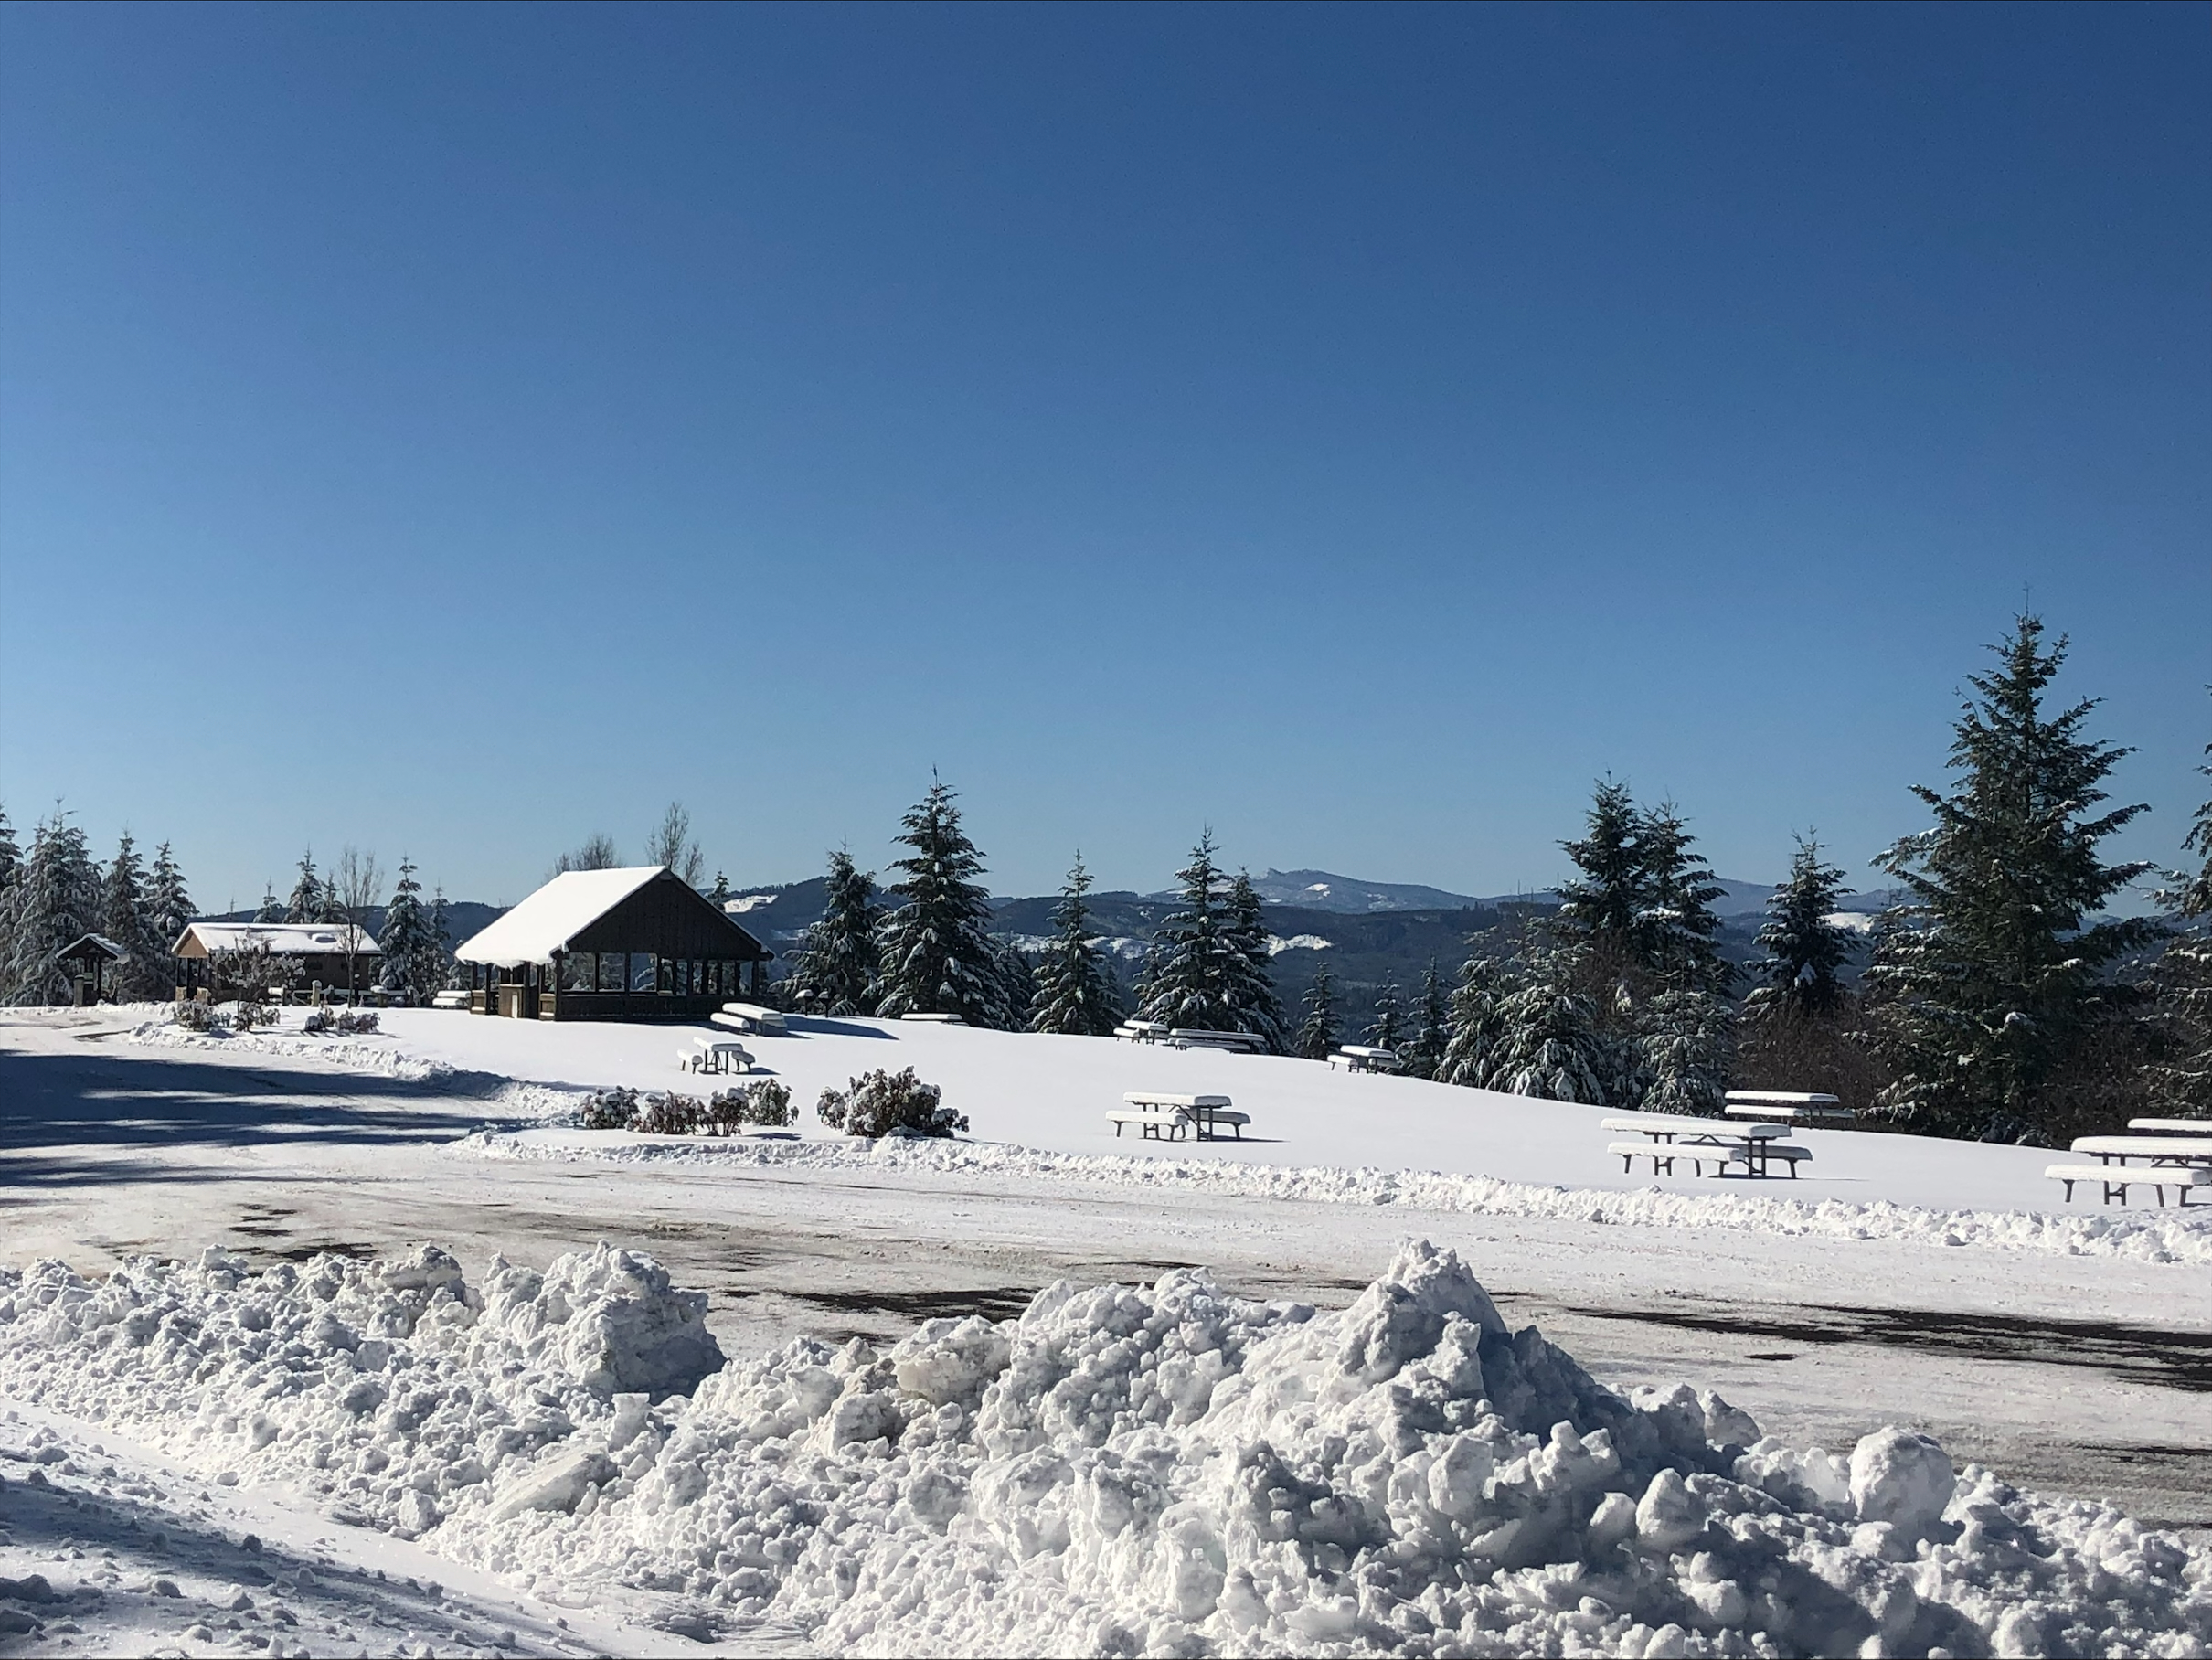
(1167, 1469)
(2148, 1237)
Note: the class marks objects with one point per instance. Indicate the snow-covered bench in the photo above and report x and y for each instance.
(1364, 1057)
(1783, 1107)
(1141, 1031)
(935, 1019)
(1167, 1117)
(2171, 1127)
(2118, 1179)
(451, 1000)
(752, 1017)
(2172, 1149)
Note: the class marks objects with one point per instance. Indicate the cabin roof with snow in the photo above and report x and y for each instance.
(282, 938)
(92, 945)
(643, 908)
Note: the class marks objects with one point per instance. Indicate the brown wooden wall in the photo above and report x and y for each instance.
(666, 918)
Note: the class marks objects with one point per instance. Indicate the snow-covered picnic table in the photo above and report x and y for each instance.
(1141, 1031)
(751, 1017)
(1197, 1037)
(2151, 1149)
(1702, 1141)
(450, 1000)
(1787, 1107)
(1364, 1057)
(2171, 1127)
(712, 1054)
(1167, 1117)
(935, 1019)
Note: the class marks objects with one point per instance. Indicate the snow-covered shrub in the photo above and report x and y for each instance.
(351, 1022)
(249, 1012)
(666, 1113)
(610, 1110)
(765, 1100)
(197, 1016)
(881, 1103)
(318, 1022)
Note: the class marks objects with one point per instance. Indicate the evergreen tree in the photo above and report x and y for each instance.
(719, 897)
(442, 938)
(1076, 993)
(307, 903)
(1249, 968)
(1471, 1053)
(1317, 1032)
(1387, 1029)
(1016, 980)
(2180, 1080)
(936, 948)
(57, 903)
(1992, 976)
(1424, 1052)
(167, 902)
(835, 969)
(413, 963)
(1188, 975)
(1548, 1041)
(11, 855)
(1675, 937)
(1803, 950)
(1602, 911)
(128, 921)
(1688, 1043)
(271, 908)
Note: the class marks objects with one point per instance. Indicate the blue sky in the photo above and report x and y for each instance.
(459, 429)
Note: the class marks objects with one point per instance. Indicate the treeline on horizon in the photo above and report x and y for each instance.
(1999, 1001)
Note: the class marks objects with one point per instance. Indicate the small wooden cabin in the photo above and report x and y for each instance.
(302, 956)
(633, 944)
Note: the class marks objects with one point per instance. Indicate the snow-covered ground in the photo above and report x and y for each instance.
(1934, 1286)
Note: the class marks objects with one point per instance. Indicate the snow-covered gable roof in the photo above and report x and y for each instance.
(100, 942)
(547, 921)
(282, 938)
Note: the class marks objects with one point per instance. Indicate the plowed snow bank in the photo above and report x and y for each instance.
(1121, 1470)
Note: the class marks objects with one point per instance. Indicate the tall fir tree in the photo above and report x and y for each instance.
(168, 902)
(1686, 1042)
(1187, 974)
(413, 962)
(937, 954)
(1602, 910)
(271, 908)
(1317, 1030)
(128, 921)
(441, 936)
(1992, 975)
(719, 895)
(1016, 980)
(1676, 935)
(11, 854)
(1549, 1040)
(307, 903)
(1387, 1029)
(1076, 993)
(1470, 1052)
(2180, 1077)
(1249, 968)
(1424, 1052)
(836, 967)
(57, 903)
(1799, 973)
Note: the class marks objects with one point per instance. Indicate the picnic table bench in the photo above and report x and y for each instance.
(2151, 1149)
(2171, 1127)
(1364, 1057)
(752, 1017)
(935, 1019)
(1703, 1140)
(2118, 1179)
(1786, 1107)
(450, 1000)
(1197, 1037)
(712, 1054)
(1141, 1031)
(1168, 1117)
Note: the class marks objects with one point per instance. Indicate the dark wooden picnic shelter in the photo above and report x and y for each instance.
(93, 964)
(632, 945)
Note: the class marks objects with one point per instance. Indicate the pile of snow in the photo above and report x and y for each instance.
(346, 1052)
(2161, 1237)
(1121, 1470)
